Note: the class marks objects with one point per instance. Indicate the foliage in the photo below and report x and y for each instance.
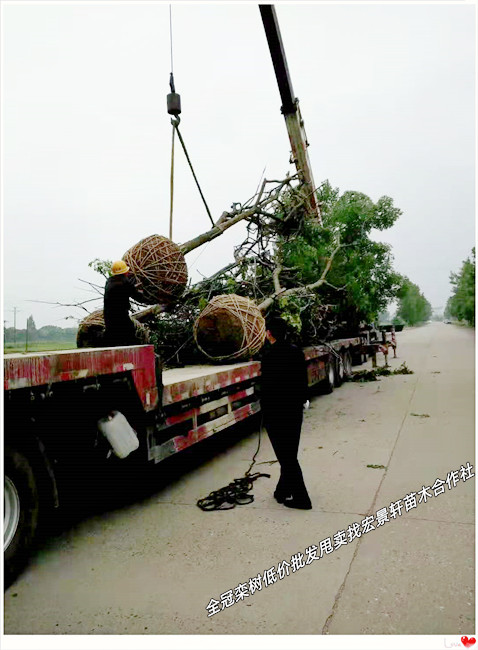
(374, 373)
(291, 309)
(31, 327)
(48, 333)
(397, 320)
(172, 336)
(413, 307)
(461, 305)
(361, 281)
(172, 331)
(101, 266)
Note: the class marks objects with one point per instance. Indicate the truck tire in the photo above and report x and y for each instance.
(347, 362)
(339, 370)
(327, 385)
(21, 506)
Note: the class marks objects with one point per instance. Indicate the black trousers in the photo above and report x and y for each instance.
(284, 433)
(122, 332)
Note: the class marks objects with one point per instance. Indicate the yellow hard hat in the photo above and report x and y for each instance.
(119, 267)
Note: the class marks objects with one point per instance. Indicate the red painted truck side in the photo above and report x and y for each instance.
(48, 368)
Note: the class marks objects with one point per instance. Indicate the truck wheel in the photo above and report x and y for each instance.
(347, 361)
(327, 385)
(20, 519)
(339, 370)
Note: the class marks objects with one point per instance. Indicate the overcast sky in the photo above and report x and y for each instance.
(386, 91)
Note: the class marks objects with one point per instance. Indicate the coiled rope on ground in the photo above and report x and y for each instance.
(237, 492)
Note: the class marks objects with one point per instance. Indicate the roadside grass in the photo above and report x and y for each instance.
(38, 346)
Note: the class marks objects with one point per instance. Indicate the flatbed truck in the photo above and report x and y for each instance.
(56, 405)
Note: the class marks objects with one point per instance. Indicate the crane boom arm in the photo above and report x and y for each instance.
(290, 105)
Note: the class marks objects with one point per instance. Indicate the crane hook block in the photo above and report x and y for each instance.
(174, 104)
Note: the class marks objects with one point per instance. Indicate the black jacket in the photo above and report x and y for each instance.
(118, 290)
(284, 382)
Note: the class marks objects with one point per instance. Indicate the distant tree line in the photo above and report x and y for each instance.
(413, 307)
(46, 333)
(461, 304)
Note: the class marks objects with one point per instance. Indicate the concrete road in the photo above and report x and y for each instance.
(154, 566)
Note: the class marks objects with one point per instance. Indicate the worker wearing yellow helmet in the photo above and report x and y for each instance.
(119, 288)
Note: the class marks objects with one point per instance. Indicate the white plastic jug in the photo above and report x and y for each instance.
(121, 436)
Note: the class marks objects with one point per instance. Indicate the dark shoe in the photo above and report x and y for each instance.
(300, 504)
(279, 497)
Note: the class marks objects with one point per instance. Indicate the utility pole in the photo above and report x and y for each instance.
(14, 310)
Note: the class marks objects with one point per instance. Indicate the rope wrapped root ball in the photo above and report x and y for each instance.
(91, 331)
(230, 328)
(159, 265)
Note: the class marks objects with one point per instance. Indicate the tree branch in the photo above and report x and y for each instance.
(275, 278)
(336, 288)
(96, 287)
(67, 304)
(300, 290)
(145, 314)
(230, 219)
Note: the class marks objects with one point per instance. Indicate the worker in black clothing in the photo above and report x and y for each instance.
(284, 390)
(119, 288)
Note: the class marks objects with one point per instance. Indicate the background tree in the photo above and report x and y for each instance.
(461, 305)
(47, 334)
(413, 307)
(31, 328)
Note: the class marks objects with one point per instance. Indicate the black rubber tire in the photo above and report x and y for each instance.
(19, 471)
(327, 385)
(347, 361)
(339, 370)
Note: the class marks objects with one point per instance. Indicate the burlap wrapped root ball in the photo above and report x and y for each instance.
(159, 265)
(230, 328)
(91, 331)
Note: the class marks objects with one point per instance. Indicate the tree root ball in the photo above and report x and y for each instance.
(91, 331)
(230, 328)
(159, 265)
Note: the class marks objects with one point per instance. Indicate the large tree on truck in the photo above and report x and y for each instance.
(323, 278)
